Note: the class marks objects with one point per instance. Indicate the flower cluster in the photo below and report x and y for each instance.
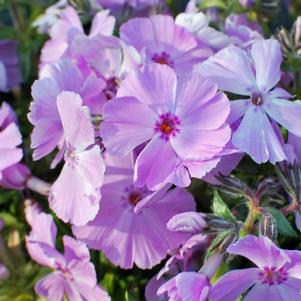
(138, 116)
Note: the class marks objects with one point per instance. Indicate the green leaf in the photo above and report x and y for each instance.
(9, 219)
(217, 241)
(283, 225)
(221, 209)
(213, 3)
(7, 32)
(129, 297)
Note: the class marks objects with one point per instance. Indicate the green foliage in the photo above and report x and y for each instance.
(221, 209)
(283, 225)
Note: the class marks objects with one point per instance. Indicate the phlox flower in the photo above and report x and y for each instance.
(254, 74)
(44, 22)
(178, 119)
(122, 4)
(99, 53)
(188, 286)
(186, 258)
(130, 227)
(73, 274)
(67, 29)
(15, 176)
(10, 139)
(10, 74)
(4, 273)
(277, 276)
(48, 130)
(75, 195)
(165, 43)
(241, 31)
(198, 25)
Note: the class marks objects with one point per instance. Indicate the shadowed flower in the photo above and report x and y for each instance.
(73, 276)
(10, 73)
(131, 228)
(10, 138)
(188, 286)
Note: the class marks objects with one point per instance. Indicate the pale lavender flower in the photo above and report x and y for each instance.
(68, 29)
(73, 276)
(4, 273)
(180, 120)
(277, 276)
(44, 22)
(257, 73)
(247, 3)
(241, 31)
(187, 258)
(198, 25)
(10, 139)
(188, 286)
(130, 227)
(48, 130)
(10, 74)
(165, 43)
(32, 209)
(98, 53)
(119, 4)
(75, 195)
(15, 176)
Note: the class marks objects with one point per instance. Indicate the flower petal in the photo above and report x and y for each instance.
(128, 123)
(228, 67)
(230, 286)
(257, 138)
(155, 86)
(285, 112)
(75, 194)
(155, 164)
(267, 59)
(192, 144)
(264, 252)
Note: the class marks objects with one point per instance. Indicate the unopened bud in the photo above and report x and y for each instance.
(268, 226)
(228, 241)
(218, 223)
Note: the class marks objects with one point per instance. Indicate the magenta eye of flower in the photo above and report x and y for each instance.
(133, 195)
(272, 276)
(163, 59)
(111, 88)
(134, 198)
(257, 100)
(167, 126)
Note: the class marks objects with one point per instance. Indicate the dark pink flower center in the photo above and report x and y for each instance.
(65, 271)
(111, 88)
(134, 195)
(272, 276)
(163, 58)
(134, 198)
(257, 100)
(167, 126)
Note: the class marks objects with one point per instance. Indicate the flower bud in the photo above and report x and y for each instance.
(268, 226)
(218, 223)
(191, 222)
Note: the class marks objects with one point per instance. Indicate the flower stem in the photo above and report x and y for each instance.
(37, 185)
(251, 218)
